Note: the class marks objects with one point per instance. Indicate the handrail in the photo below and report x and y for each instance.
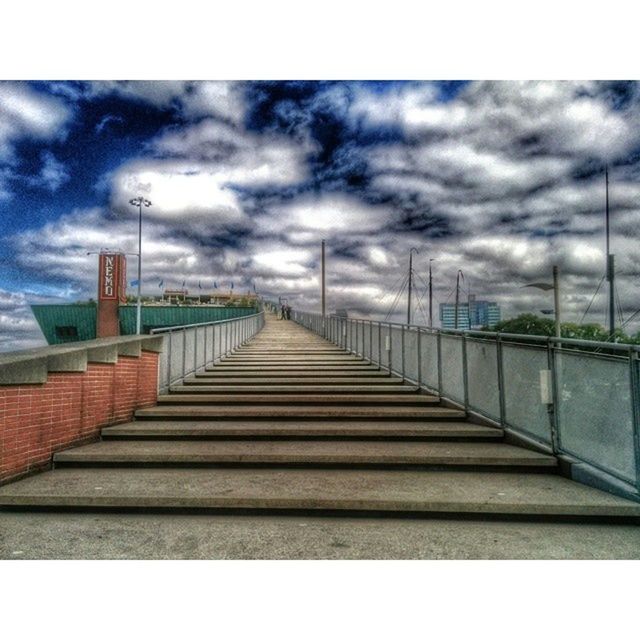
(192, 347)
(203, 324)
(594, 344)
(562, 394)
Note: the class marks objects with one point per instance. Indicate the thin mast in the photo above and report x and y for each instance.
(610, 260)
(430, 295)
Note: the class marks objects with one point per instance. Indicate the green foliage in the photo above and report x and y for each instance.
(532, 325)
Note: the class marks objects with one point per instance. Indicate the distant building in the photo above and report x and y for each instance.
(473, 314)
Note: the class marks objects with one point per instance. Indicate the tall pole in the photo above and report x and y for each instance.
(323, 285)
(457, 297)
(410, 283)
(139, 302)
(409, 295)
(556, 298)
(139, 202)
(430, 295)
(610, 261)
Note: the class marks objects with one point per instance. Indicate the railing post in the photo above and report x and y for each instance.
(204, 348)
(501, 393)
(634, 378)
(184, 352)
(379, 346)
(213, 346)
(439, 349)
(390, 351)
(169, 358)
(402, 346)
(419, 341)
(465, 373)
(195, 349)
(554, 422)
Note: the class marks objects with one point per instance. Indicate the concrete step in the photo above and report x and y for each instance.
(295, 388)
(232, 366)
(317, 350)
(203, 429)
(300, 412)
(286, 453)
(369, 373)
(342, 358)
(335, 399)
(271, 382)
(355, 490)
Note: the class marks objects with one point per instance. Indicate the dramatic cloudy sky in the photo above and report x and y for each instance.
(499, 179)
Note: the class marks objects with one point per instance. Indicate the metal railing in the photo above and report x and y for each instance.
(191, 348)
(573, 398)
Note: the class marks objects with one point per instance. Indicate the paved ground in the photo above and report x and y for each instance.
(107, 536)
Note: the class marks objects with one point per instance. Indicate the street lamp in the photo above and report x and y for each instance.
(139, 202)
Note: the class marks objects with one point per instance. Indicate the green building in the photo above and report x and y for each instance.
(61, 323)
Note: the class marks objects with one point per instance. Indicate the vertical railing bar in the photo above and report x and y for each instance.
(465, 373)
(555, 409)
(379, 346)
(439, 349)
(195, 349)
(502, 404)
(169, 358)
(419, 340)
(390, 348)
(634, 380)
(184, 352)
(370, 341)
(402, 346)
(204, 349)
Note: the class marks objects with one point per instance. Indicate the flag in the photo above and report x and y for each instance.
(254, 287)
(199, 284)
(183, 283)
(133, 283)
(161, 283)
(215, 285)
(232, 285)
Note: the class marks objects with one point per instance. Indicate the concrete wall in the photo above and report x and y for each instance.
(57, 397)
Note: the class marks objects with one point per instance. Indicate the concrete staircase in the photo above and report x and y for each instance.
(290, 422)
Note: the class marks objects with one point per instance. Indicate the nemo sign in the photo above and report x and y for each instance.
(112, 277)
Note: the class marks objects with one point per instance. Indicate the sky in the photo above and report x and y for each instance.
(501, 180)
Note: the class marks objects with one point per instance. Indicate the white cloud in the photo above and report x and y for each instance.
(201, 164)
(220, 99)
(18, 327)
(26, 113)
(311, 218)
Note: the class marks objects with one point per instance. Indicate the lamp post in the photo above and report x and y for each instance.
(139, 202)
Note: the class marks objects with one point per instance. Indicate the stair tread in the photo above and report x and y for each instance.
(384, 490)
(351, 452)
(301, 428)
(295, 388)
(275, 398)
(272, 382)
(282, 411)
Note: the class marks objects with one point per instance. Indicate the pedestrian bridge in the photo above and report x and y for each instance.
(328, 415)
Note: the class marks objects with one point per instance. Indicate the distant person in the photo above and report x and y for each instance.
(287, 310)
(283, 312)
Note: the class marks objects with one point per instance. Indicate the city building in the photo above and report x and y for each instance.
(472, 314)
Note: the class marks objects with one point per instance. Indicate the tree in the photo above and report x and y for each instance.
(532, 325)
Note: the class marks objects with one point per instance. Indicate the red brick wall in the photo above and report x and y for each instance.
(36, 420)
